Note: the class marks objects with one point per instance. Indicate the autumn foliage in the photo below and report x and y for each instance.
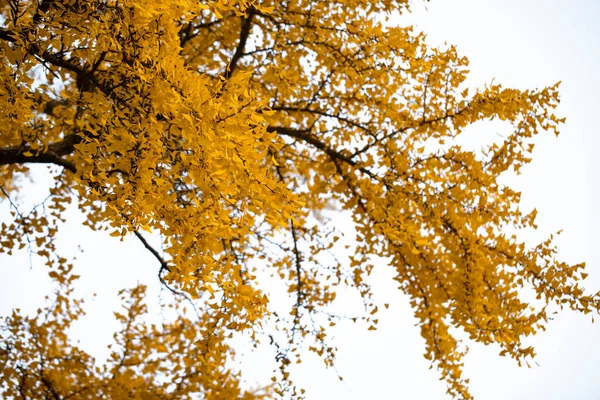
(229, 127)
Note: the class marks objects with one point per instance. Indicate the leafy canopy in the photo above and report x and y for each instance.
(228, 128)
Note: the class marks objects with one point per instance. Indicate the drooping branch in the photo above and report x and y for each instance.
(163, 264)
(164, 267)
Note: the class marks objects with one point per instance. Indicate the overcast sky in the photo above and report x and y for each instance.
(521, 43)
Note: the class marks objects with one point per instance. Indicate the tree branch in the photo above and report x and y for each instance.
(7, 35)
(305, 136)
(52, 155)
(83, 76)
(244, 34)
(324, 114)
(163, 264)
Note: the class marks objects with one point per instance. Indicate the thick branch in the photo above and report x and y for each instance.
(7, 35)
(52, 155)
(244, 34)
(305, 136)
(51, 105)
(86, 78)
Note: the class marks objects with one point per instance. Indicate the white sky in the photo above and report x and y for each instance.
(522, 43)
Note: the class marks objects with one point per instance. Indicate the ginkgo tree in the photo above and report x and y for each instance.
(227, 128)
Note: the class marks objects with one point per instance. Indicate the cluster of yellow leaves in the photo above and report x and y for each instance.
(175, 360)
(228, 127)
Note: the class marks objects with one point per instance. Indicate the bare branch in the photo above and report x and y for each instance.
(163, 264)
